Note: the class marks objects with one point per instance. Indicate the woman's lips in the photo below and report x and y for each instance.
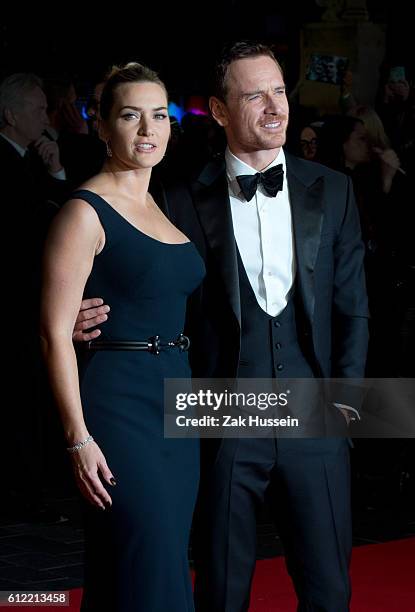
(145, 147)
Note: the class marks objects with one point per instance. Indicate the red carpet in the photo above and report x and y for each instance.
(383, 577)
(383, 580)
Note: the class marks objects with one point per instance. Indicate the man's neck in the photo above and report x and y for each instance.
(259, 160)
(11, 133)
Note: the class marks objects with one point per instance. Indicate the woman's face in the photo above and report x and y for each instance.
(138, 128)
(356, 148)
(308, 142)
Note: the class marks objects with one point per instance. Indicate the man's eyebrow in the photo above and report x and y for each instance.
(246, 94)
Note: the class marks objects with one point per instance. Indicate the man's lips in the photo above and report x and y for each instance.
(272, 125)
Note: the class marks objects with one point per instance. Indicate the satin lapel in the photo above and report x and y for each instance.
(211, 200)
(307, 216)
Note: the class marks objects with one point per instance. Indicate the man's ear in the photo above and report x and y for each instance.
(9, 117)
(218, 110)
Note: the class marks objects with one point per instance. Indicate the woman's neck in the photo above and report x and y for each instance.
(130, 183)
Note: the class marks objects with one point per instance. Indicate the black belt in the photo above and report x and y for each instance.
(152, 345)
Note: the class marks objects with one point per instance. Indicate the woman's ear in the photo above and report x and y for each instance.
(102, 132)
(218, 110)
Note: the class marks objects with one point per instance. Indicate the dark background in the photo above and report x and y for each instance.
(179, 40)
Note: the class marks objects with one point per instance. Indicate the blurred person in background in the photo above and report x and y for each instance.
(33, 187)
(82, 153)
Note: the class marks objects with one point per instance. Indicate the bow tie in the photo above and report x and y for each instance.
(271, 180)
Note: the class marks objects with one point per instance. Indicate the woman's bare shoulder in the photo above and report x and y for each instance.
(97, 184)
(79, 207)
(78, 216)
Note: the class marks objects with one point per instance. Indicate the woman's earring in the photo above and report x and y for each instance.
(109, 152)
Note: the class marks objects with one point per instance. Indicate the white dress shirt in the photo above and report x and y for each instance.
(264, 235)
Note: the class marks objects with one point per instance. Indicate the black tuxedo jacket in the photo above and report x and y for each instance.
(331, 298)
(82, 156)
(27, 187)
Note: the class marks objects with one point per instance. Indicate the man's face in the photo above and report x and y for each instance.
(31, 118)
(255, 113)
(331, 72)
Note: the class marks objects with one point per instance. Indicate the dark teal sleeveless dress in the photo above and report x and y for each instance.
(136, 552)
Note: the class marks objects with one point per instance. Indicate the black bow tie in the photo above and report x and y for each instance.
(271, 180)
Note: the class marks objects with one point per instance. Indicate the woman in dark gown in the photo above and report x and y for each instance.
(112, 240)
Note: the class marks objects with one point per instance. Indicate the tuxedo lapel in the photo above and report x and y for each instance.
(306, 200)
(211, 200)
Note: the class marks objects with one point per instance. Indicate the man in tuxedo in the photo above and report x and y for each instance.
(284, 296)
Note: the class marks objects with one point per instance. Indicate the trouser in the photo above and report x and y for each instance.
(311, 481)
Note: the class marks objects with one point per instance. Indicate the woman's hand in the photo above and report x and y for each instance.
(389, 164)
(398, 90)
(88, 464)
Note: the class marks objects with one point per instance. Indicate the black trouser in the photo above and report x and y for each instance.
(312, 506)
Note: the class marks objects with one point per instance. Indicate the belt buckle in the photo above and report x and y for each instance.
(182, 342)
(153, 345)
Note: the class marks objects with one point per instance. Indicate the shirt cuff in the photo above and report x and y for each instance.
(61, 175)
(356, 415)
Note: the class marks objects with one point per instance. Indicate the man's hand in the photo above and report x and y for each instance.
(49, 153)
(92, 313)
(346, 415)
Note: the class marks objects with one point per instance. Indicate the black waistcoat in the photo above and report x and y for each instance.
(269, 345)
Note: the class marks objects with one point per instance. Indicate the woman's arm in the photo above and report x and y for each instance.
(76, 236)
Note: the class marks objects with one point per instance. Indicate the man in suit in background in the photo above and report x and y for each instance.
(33, 186)
(33, 182)
(284, 296)
(30, 161)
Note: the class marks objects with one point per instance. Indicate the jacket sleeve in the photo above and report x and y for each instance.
(350, 305)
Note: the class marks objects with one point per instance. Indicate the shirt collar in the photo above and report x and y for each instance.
(21, 150)
(235, 167)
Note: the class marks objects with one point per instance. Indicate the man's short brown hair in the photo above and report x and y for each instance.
(232, 52)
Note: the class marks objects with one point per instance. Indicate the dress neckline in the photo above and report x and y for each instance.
(130, 224)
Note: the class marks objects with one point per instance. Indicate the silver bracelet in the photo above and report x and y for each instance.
(76, 447)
